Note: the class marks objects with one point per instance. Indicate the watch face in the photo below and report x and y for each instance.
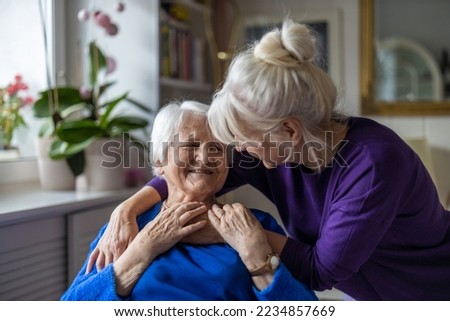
(274, 262)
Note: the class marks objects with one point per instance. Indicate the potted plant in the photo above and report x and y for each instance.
(12, 99)
(53, 106)
(83, 120)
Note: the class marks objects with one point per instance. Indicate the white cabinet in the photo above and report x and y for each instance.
(40, 257)
(82, 228)
(33, 260)
(45, 237)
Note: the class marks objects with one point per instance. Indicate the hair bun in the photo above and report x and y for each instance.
(291, 45)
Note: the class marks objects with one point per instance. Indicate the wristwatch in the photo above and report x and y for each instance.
(272, 263)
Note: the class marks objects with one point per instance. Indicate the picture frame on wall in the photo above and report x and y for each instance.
(324, 23)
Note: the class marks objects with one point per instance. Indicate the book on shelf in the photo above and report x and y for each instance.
(182, 54)
(198, 60)
(164, 50)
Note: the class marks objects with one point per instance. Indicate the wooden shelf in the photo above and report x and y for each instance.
(185, 84)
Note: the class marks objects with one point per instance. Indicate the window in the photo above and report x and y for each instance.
(24, 52)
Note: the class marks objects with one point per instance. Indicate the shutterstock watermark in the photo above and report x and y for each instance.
(189, 152)
(313, 154)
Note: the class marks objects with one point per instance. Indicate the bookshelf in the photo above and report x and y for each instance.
(184, 58)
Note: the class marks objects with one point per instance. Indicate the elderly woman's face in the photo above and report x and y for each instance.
(196, 162)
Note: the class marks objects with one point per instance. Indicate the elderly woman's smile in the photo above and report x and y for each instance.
(200, 171)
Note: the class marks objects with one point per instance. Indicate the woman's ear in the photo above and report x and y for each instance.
(293, 129)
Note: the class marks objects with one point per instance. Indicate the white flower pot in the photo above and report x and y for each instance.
(104, 165)
(53, 174)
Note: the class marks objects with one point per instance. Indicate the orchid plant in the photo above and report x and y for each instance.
(77, 116)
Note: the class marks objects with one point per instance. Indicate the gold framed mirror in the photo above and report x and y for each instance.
(387, 89)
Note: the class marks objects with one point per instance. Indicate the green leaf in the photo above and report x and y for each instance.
(77, 131)
(104, 87)
(61, 149)
(122, 124)
(58, 148)
(76, 163)
(139, 105)
(109, 109)
(19, 121)
(76, 148)
(60, 99)
(72, 109)
(97, 63)
(47, 128)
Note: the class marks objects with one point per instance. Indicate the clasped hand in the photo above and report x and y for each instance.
(167, 229)
(233, 224)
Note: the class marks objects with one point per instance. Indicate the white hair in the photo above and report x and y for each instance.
(166, 125)
(271, 80)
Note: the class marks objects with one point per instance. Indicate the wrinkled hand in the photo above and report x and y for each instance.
(157, 236)
(119, 233)
(240, 229)
(167, 229)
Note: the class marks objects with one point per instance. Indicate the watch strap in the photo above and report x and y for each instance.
(266, 268)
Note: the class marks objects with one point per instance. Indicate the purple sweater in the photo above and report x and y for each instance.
(370, 225)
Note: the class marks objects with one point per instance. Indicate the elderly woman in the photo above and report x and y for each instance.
(159, 264)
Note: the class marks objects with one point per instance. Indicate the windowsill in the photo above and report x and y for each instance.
(19, 170)
(9, 155)
(26, 200)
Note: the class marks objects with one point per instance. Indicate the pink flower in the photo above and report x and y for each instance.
(28, 100)
(21, 86)
(112, 29)
(110, 64)
(102, 20)
(12, 99)
(120, 6)
(83, 15)
(85, 92)
(12, 89)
